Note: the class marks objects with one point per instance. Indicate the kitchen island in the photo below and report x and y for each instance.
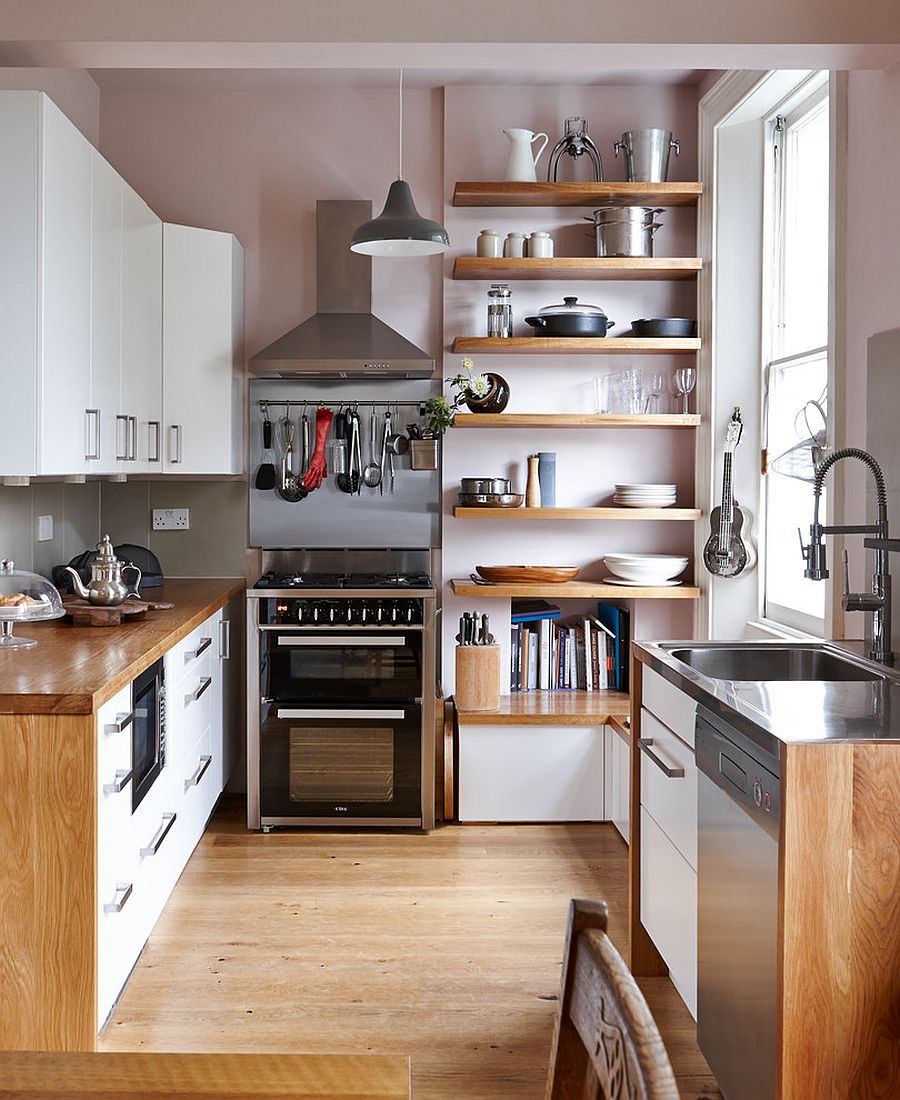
(55, 748)
(782, 876)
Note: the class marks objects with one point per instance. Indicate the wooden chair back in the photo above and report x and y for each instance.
(606, 1045)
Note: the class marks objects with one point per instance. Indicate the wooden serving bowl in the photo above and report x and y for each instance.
(528, 574)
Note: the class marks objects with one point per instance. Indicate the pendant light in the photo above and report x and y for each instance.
(400, 230)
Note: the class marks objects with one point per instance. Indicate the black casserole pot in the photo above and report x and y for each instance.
(570, 319)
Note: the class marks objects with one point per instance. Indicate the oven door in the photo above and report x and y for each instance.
(319, 765)
(341, 666)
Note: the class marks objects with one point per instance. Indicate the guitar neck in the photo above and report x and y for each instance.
(726, 516)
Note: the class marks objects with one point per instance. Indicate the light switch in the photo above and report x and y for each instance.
(44, 528)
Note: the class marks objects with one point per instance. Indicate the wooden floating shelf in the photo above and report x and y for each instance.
(576, 420)
(572, 590)
(574, 345)
(575, 267)
(613, 513)
(504, 193)
(552, 708)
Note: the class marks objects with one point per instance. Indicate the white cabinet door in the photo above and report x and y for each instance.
(202, 351)
(141, 333)
(106, 428)
(617, 781)
(65, 283)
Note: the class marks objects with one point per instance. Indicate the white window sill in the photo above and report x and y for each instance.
(769, 629)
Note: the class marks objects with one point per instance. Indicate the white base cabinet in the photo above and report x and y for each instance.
(141, 854)
(617, 782)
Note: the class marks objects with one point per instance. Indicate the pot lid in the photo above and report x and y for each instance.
(571, 307)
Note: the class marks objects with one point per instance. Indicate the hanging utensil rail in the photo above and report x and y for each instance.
(312, 403)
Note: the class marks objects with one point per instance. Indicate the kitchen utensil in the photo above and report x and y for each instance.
(570, 318)
(423, 454)
(484, 485)
(140, 556)
(477, 679)
(523, 160)
(664, 326)
(539, 245)
(514, 245)
(391, 470)
(372, 472)
(547, 478)
(304, 444)
(24, 597)
(625, 230)
(265, 475)
(532, 485)
(106, 587)
(484, 633)
(647, 154)
(684, 380)
(575, 142)
(355, 468)
(490, 500)
(385, 432)
(528, 574)
(340, 456)
(489, 244)
(397, 444)
(499, 310)
(290, 487)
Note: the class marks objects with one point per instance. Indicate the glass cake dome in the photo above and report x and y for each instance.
(24, 597)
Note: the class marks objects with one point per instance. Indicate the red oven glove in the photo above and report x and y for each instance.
(316, 470)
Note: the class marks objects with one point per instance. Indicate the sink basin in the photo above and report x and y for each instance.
(773, 662)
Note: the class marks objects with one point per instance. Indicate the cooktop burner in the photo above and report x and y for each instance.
(344, 580)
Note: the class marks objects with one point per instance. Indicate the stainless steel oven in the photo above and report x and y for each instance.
(148, 731)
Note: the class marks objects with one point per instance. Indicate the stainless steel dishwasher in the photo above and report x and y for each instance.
(739, 793)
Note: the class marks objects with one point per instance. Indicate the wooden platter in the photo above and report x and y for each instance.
(527, 574)
(83, 613)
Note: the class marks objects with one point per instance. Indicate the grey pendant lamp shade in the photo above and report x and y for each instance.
(400, 230)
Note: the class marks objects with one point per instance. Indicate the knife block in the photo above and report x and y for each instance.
(478, 678)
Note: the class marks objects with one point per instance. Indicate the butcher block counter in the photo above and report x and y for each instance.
(81, 883)
(75, 669)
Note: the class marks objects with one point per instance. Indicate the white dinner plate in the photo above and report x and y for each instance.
(641, 584)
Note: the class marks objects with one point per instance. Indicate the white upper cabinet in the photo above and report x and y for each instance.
(45, 288)
(202, 351)
(106, 426)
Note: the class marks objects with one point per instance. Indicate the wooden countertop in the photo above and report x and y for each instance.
(75, 669)
(161, 1076)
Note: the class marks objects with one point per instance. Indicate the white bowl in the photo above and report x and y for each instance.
(659, 568)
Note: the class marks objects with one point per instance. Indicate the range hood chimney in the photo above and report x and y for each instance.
(343, 338)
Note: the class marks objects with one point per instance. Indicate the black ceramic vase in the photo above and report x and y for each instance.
(495, 400)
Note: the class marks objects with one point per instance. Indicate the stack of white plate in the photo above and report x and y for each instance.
(645, 570)
(645, 496)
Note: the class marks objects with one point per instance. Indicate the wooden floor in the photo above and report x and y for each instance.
(446, 947)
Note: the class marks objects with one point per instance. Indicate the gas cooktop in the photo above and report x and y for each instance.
(344, 580)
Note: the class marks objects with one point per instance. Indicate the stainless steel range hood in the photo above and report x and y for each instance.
(343, 338)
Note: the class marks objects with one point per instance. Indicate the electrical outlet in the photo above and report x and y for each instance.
(44, 528)
(171, 519)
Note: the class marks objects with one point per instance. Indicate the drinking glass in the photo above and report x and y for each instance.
(685, 380)
(655, 382)
(631, 389)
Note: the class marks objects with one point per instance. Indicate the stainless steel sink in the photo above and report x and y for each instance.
(773, 662)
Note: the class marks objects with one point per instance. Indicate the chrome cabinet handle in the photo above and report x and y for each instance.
(154, 428)
(205, 762)
(313, 713)
(205, 643)
(193, 696)
(123, 778)
(123, 893)
(225, 639)
(357, 640)
(122, 722)
(644, 744)
(91, 440)
(122, 453)
(175, 452)
(132, 438)
(168, 820)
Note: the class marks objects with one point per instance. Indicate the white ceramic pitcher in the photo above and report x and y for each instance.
(522, 162)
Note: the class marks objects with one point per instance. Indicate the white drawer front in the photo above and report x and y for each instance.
(182, 658)
(509, 773)
(160, 856)
(197, 780)
(671, 706)
(113, 743)
(188, 708)
(670, 798)
(669, 907)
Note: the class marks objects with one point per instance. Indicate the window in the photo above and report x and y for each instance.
(795, 346)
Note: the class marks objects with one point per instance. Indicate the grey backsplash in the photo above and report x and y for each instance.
(214, 546)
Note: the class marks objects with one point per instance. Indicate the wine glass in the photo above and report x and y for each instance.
(685, 380)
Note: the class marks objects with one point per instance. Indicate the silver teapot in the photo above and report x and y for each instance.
(106, 587)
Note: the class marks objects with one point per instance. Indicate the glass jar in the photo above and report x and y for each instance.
(499, 312)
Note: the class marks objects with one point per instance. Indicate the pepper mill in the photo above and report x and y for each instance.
(533, 486)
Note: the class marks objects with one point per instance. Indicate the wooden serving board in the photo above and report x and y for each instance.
(527, 574)
(88, 614)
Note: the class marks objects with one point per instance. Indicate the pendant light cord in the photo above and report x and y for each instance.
(400, 173)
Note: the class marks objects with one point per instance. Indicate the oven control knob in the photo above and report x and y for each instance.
(315, 613)
(332, 612)
(348, 613)
(757, 792)
(395, 612)
(300, 611)
(379, 612)
(409, 612)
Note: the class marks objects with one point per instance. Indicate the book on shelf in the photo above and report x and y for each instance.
(527, 611)
(617, 620)
(583, 654)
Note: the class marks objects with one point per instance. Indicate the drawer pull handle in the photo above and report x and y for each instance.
(205, 762)
(293, 712)
(193, 696)
(644, 744)
(225, 639)
(168, 820)
(192, 655)
(122, 722)
(123, 893)
(123, 778)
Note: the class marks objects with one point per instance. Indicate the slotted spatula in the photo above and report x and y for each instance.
(265, 475)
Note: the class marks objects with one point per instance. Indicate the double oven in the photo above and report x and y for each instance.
(341, 715)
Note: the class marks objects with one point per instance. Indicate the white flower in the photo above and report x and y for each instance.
(478, 384)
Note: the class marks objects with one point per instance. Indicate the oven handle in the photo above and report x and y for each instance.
(343, 640)
(316, 713)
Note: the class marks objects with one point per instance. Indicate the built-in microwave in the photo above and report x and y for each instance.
(148, 731)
